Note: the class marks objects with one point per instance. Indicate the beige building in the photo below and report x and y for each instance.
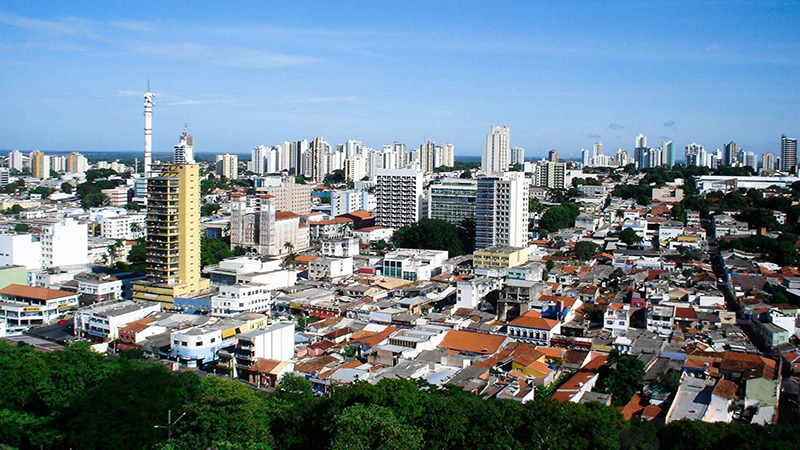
(668, 194)
(264, 228)
(500, 257)
(291, 196)
(227, 166)
(173, 235)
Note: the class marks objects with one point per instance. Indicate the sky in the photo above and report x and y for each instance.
(561, 75)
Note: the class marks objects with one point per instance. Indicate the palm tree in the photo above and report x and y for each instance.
(112, 251)
(135, 228)
(292, 256)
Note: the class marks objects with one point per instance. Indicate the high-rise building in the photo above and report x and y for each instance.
(696, 155)
(184, 151)
(552, 155)
(258, 159)
(58, 163)
(768, 162)
(40, 165)
(65, 243)
(730, 154)
(77, 163)
(427, 156)
(751, 160)
(495, 156)
(264, 228)
(5, 175)
(641, 141)
(668, 153)
(551, 175)
(517, 156)
(448, 155)
(453, 200)
(227, 166)
(148, 131)
(290, 195)
(15, 160)
(398, 194)
(788, 154)
(319, 159)
(173, 235)
(501, 212)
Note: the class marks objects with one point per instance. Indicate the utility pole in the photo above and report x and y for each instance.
(170, 424)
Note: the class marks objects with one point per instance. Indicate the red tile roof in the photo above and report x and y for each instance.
(471, 342)
(38, 293)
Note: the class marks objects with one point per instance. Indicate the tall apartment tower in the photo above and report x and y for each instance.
(427, 152)
(552, 155)
(148, 131)
(77, 163)
(551, 175)
(40, 165)
(319, 160)
(495, 158)
(399, 196)
(449, 155)
(517, 155)
(184, 151)
(730, 153)
(501, 212)
(788, 154)
(768, 162)
(641, 141)
(173, 235)
(668, 153)
(227, 166)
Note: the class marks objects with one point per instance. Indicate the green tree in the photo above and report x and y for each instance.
(435, 234)
(212, 251)
(362, 427)
(559, 217)
(209, 209)
(621, 377)
(133, 206)
(466, 233)
(629, 237)
(22, 228)
(138, 257)
(585, 250)
(66, 187)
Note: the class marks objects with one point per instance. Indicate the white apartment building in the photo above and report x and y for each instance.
(275, 342)
(227, 166)
(496, 154)
(99, 288)
(130, 227)
(413, 264)
(399, 197)
(241, 298)
(117, 196)
(65, 243)
(343, 202)
(20, 250)
(330, 269)
(501, 216)
(102, 321)
(340, 247)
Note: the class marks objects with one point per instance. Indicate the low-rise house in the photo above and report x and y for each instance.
(617, 319)
(23, 307)
(532, 328)
(102, 321)
(660, 319)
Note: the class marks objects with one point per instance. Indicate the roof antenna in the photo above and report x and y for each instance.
(148, 85)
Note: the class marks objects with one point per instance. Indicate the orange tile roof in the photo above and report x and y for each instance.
(38, 293)
(282, 215)
(551, 352)
(471, 342)
(532, 319)
(334, 221)
(368, 229)
(373, 339)
(138, 325)
(363, 215)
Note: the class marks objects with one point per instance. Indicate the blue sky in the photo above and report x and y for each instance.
(560, 74)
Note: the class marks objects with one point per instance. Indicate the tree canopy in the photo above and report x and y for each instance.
(558, 217)
(434, 234)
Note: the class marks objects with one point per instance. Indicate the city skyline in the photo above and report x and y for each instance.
(248, 77)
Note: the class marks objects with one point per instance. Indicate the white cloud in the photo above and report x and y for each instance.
(240, 57)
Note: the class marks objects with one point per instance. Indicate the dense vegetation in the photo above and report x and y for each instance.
(437, 234)
(79, 399)
(559, 216)
(781, 251)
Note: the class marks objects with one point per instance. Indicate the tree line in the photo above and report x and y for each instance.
(76, 398)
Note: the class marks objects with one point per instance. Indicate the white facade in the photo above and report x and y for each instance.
(130, 227)
(413, 264)
(399, 195)
(103, 321)
(469, 293)
(20, 250)
(340, 247)
(496, 156)
(65, 243)
(330, 269)
(274, 342)
(502, 211)
(227, 166)
(241, 298)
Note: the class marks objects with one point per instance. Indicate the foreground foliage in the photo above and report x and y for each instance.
(79, 399)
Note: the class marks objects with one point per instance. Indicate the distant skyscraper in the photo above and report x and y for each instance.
(751, 160)
(15, 160)
(184, 151)
(40, 165)
(586, 157)
(788, 154)
(768, 162)
(695, 155)
(496, 154)
(448, 155)
(517, 155)
(668, 153)
(227, 166)
(730, 153)
(551, 175)
(552, 155)
(641, 141)
(258, 159)
(148, 131)
(319, 159)
(501, 215)
(427, 152)
(76, 163)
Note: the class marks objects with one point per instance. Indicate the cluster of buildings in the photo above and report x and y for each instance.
(318, 290)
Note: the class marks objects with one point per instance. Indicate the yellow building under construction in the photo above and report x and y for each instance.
(173, 235)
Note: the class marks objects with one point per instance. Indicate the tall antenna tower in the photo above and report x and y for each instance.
(148, 130)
